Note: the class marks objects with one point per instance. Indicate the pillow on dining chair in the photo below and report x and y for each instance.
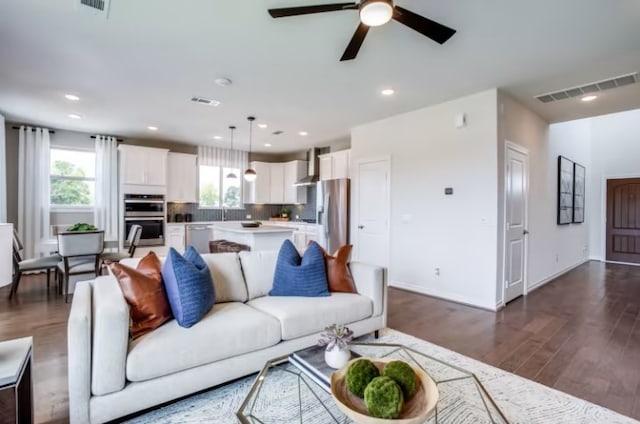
(144, 292)
(189, 286)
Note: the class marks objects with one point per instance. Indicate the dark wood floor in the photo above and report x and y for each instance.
(579, 334)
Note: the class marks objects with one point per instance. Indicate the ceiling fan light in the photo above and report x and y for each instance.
(376, 12)
(250, 175)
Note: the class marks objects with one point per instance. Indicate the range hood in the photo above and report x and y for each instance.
(313, 170)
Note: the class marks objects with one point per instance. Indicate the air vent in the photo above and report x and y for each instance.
(204, 101)
(94, 7)
(590, 88)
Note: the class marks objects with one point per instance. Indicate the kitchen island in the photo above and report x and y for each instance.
(264, 237)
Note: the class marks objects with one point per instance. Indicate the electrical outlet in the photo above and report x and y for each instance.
(248, 216)
(438, 272)
(557, 258)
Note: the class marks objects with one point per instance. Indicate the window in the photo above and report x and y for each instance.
(217, 190)
(73, 178)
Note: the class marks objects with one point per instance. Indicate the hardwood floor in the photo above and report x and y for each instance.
(579, 334)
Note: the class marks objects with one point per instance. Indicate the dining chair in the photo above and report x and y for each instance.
(135, 232)
(80, 252)
(21, 266)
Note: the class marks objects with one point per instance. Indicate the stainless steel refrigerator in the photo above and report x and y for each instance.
(332, 212)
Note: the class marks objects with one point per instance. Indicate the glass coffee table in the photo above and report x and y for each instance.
(284, 394)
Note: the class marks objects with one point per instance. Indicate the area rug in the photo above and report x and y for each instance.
(522, 400)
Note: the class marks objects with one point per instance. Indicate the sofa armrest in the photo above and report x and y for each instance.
(371, 282)
(79, 353)
(110, 336)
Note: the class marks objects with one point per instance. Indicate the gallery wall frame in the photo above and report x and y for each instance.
(565, 190)
(579, 177)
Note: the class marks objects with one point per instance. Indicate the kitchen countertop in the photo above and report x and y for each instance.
(263, 229)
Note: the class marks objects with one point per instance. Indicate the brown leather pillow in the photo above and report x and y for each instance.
(144, 291)
(338, 273)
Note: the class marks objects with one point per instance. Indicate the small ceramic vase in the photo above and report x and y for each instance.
(337, 358)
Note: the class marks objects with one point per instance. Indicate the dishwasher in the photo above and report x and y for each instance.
(198, 236)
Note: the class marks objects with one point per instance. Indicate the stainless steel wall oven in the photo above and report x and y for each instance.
(147, 210)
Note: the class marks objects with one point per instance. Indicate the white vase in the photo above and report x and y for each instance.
(337, 358)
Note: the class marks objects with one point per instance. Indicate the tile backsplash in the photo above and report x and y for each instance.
(257, 212)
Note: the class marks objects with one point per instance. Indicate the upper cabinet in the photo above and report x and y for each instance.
(182, 178)
(335, 165)
(274, 183)
(143, 165)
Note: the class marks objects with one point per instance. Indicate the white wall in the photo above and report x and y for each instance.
(615, 141)
(553, 248)
(456, 233)
(3, 173)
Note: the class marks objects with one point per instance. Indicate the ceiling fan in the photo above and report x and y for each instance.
(373, 13)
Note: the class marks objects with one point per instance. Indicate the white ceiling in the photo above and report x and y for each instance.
(141, 66)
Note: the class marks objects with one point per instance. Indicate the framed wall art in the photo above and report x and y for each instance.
(565, 191)
(579, 173)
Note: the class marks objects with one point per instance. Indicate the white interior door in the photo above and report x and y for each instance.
(516, 199)
(371, 239)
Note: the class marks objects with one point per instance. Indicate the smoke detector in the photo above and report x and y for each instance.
(223, 82)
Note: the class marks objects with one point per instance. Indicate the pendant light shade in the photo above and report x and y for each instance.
(231, 174)
(250, 174)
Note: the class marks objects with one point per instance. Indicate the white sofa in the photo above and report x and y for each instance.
(111, 377)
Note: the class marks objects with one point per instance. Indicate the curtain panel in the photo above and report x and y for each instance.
(215, 156)
(33, 189)
(106, 201)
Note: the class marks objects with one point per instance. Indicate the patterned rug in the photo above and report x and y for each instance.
(522, 400)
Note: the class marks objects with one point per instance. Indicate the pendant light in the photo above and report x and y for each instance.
(231, 174)
(250, 174)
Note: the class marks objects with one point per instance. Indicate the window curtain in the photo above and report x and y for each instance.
(3, 173)
(106, 201)
(214, 156)
(33, 189)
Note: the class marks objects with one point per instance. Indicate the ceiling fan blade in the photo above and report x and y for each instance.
(356, 42)
(305, 10)
(437, 32)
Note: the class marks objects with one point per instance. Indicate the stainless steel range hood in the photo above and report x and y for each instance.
(313, 171)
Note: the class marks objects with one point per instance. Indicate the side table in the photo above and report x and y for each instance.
(16, 388)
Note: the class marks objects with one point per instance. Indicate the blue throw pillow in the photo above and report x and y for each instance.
(295, 276)
(189, 286)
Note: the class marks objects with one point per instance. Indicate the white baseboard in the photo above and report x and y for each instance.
(440, 295)
(544, 281)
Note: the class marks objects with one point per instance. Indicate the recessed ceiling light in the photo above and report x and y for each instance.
(267, 144)
(152, 128)
(74, 116)
(263, 126)
(387, 92)
(589, 98)
(71, 97)
(223, 82)
(217, 137)
(303, 133)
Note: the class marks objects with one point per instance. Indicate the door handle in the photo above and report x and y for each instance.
(360, 227)
(525, 232)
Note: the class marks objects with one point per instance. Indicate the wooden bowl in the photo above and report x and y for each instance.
(415, 411)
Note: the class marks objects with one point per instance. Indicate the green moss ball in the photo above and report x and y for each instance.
(359, 374)
(383, 398)
(403, 374)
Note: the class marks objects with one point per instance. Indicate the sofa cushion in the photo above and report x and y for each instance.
(338, 273)
(258, 268)
(300, 316)
(143, 289)
(227, 276)
(188, 284)
(295, 276)
(229, 329)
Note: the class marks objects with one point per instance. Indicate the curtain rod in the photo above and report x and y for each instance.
(33, 129)
(119, 140)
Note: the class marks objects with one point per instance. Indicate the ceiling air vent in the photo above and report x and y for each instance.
(204, 101)
(94, 7)
(590, 88)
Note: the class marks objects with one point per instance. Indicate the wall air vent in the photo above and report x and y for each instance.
(94, 7)
(590, 88)
(204, 101)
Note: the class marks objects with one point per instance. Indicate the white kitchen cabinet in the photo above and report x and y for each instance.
(143, 165)
(335, 165)
(182, 178)
(274, 183)
(294, 171)
(176, 236)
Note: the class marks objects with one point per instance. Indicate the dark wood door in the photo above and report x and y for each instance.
(623, 220)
